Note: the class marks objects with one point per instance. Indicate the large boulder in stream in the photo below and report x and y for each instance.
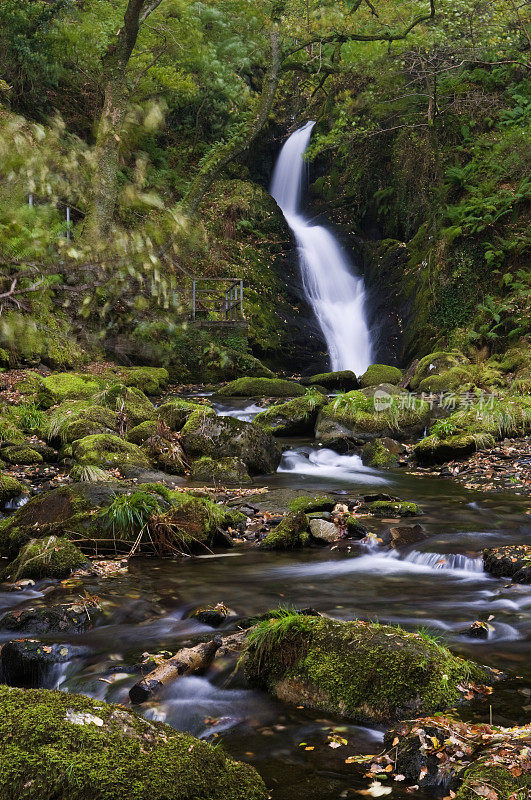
(290, 534)
(362, 671)
(372, 413)
(377, 374)
(29, 663)
(58, 746)
(49, 557)
(294, 418)
(343, 380)
(512, 561)
(105, 450)
(261, 387)
(206, 434)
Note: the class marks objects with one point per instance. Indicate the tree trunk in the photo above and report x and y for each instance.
(245, 134)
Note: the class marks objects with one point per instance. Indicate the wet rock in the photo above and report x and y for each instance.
(344, 380)
(324, 531)
(29, 663)
(225, 437)
(212, 615)
(478, 630)
(225, 471)
(378, 454)
(377, 374)
(309, 503)
(359, 670)
(294, 418)
(291, 534)
(261, 387)
(396, 508)
(106, 751)
(405, 535)
(10, 488)
(355, 528)
(433, 450)
(512, 561)
(63, 618)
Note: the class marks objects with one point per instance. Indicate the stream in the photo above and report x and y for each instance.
(438, 585)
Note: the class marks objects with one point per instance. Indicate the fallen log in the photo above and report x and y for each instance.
(184, 662)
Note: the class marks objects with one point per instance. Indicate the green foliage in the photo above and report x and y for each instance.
(129, 514)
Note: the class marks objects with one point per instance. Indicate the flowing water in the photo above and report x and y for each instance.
(439, 585)
(336, 294)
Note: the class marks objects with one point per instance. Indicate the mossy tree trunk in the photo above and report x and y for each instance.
(104, 188)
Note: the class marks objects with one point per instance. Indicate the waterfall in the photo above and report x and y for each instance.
(336, 295)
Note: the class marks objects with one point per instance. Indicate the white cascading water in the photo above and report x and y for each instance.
(337, 295)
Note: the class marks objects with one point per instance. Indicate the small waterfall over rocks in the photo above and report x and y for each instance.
(335, 293)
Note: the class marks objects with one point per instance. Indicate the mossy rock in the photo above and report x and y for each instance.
(261, 387)
(9, 431)
(9, 489)
(380, 373)
(206, 434)
(462, 379)
(309, 503)
(376, 454)
(344, 380)
(104, 450)
(59, 746)
(49, 557)
(394, 508)
(177, 411)
(67, 386)
(294, 418)
(196, 523)
(355, 528)
(358, 670)
(224, 471)
(484, 775)
(512, 561)
(372, 413)
(290, 534)
(21, 454)
(60, 618)
(129, 401)
(141, 433)
(435, 364)
(150, 380)
(75, 419)
(432, 450)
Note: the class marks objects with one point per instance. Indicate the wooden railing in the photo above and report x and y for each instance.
(217, 298)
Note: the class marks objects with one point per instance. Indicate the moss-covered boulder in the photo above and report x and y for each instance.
(294, 418)
(67, 386)
(355, 528)
(261, 387)
(150, 380)
(9, 489)
(435, 364)
(362, 671)
(223, 471)
(21, 454)
(49, 557)
(59, 746)
(128, 401)
(140, 434)
(193, 524)
(393, 508)
(177, 411)
(61, 618)
(372, 413)
(343, 380)
(474, 760)
(290, 534)
(205, 434)
(433, 450)
(104, 450)
(378, 454)
(75, 419)
(310, 503)
(512, 561)
(380, 373)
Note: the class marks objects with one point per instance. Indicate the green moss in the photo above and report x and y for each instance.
(308, 503)
(391, 508)
(343, 379)
(375, 454)
(141, 433)
(296, 417)
(380, 373)
(9, 489)
(497, 779)
(129, 401)
(176, 412)
(433, 450)
(150, 380)
(434, 364)
(261, 387)
(290, 534)
(105, 450)
(67, 386)
(197, 418)
(60, 746)
(224, 471)
(9, 432)
(21, 454)
(75, 419)
(363, 671)
(195, 522)
(355, 527)
(49, 557)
